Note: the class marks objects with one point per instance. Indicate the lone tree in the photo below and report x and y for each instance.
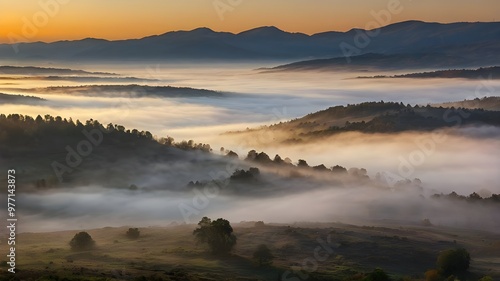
(263, 255)
(377, 275)
(133, 233)
(218, 234)
(259, 224)
(302, 163)
(82, 241)
(453, 261)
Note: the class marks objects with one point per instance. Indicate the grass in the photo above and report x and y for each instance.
(171, 253)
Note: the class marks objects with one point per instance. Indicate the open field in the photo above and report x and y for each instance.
(172, 254)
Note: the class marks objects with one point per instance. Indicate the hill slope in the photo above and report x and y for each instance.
(133, 90)
(480, 73)
(487, 103)
(19, 99)
(379, 117)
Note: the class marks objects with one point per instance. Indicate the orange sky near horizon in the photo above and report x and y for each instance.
(52, 20)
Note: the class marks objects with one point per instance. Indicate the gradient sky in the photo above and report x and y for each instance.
(120, 19)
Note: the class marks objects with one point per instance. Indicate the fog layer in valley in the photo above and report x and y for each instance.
(463, 160)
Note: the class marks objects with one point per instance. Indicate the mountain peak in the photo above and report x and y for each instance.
(263, 31)
(203, 30)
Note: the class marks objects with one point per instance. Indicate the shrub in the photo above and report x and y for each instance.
(263, 255)
(432, 275)
(453, 261)
(259, 224)
(82, 241)
(377, 275)
(133, 233)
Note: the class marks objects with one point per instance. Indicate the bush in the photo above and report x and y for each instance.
(263, 255)
(453, 261)
(432, 275)
(133, 233)
(259, 224)
(377, 275)
(82, 241)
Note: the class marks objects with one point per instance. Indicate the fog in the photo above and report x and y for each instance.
(92, 207)
(462, 160)
(466, 161)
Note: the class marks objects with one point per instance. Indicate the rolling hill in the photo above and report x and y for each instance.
(480, 73)
(132, 91)
(380, 117)
(19, 99)
(375, 61)
(487, 103)
(35, 70)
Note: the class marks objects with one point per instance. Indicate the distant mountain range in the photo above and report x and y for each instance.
(464, 43)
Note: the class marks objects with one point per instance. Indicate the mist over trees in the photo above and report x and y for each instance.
(18, 129)
(472, 198)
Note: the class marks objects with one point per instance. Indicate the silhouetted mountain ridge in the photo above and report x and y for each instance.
(478, 42)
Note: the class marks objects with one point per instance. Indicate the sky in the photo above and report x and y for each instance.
(53, 20)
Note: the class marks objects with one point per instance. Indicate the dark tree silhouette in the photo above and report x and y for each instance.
(133, 233)
(218, 235)
(321, 168)
(278, 160)
(474, 197)
(263, 255)
(377, 275)
(232, 154)
(259, 224)
(252, 154)
(339, 170)
(82, 241)
(245, 176)
(302, 163)
(263, 158)
(455, 261)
